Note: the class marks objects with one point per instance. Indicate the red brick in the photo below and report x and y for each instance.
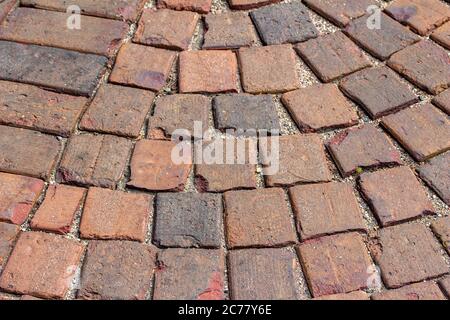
(42, 265)
(418, 291)
(249, 4)
(270, 69)
(117, 215)
(8, 235)
(442, 35)
(443, 101)
(335, 264)
(441, 228)
(5, 7)
(258, 218)
(355, 295)
(201, 6)
(118, 110)
(208, 71)
(117, 270)
(143, 67)
(436, 174)
(189, 274)
(445, 285)
(57, 211)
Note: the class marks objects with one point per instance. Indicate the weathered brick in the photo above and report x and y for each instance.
(436, 174)
(269, 69)
(201, 6)
(41, 265)
(421, 15)
(361, 148)
(442, 35)
(117, 215)
(408, 253)
(166, 28)
(335, 264)
(441, 228)
(249, 4)
(208, 71)
(417, 291)
(153, 168)
(264, 274)
(8, 235)
(143, 67)
(117, 110)
(30, 107)
(425, 64)
(229, 30)
(422, 130)
(57, 211)
(378, 90)
(355, 295)
(258, 218)
(188, 220)
(27, 152)
(190, 274)
(445, 285)
(5, 7)
(323, 209)
(117, 270)
(55, 68)
(319, 107)
(443, 101)
(97, 160)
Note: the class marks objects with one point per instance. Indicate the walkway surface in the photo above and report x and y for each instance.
(352, 203)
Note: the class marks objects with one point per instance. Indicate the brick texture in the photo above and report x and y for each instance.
(201, 6)
(441, 228)
(249, 4)
(443, 101)
(442, 35)
(418, 291)
(435, 173)
(8, 235)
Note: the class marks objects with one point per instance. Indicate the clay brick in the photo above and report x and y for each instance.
(166, 28)
(117, 270)
(323, 209)
(421, 15)
(319, 107)
(441, 228)
(442, 35)
(445, 285)
(418, 291)
(422, 130)
(27, 152)
(301, 160)
(208, 71)
(5, 7)
(8, 235)
(41, 265)
(249, 4)
(436, 174)
(57, 211)
(408, 253)
(49, 28)
(142, 67)
(284, 23)
(153, 168)
(378, 90)
(425, 64)
(340, 12)
(30, 107)
(443, 101)
(332, 56)
(118, 110)
(188, 220)
(335, 264)
(264, 274)
(201, 6)
(117, 215)
(190, 274)
(229, 30)
(258, 218)
(97, 160)
(355, 295)
(269, 69)
(381, 42)
(362, 148)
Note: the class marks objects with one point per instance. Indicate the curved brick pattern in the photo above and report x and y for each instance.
(366, 147)
(378, 90)
(418, 291)
(335, 264)
(42, 265)
(57, 211)
(117, 110)
(153, 168)
(319, 107)
(117, 215)
(201, 6)
(445, 285)
(249, 4)
(188, 220)
(8, 235)
(408, 253)
(258, 218)
(269, 69)
(190, 274)
(421, 15)
(422, 130)
(332, 56)
(442, 35)
(166, 28)
(264, 274)
(425, 64)
(97, 160)
(443, 101)
(441, 228)
(5, 7)
(355, 295)
(117, 270)
(284, 23)
(436, 174)
(30, 107)
(323, 209)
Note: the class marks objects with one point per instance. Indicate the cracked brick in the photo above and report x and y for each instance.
(436, 175)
